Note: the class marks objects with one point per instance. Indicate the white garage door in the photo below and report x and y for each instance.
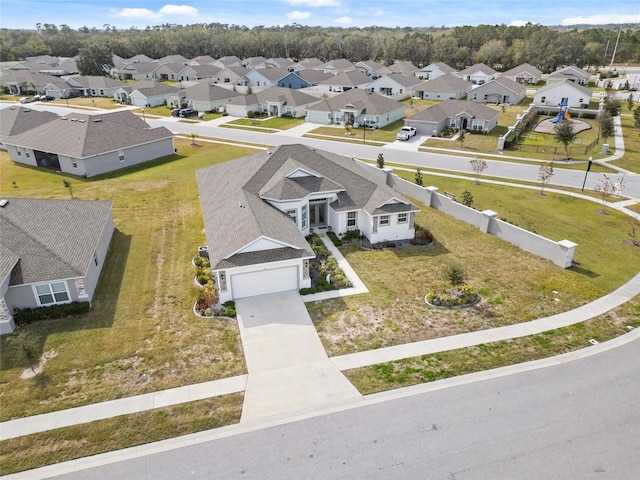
(265, 281)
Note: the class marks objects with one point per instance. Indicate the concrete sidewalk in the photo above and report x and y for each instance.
(598, 307)
(289, 369)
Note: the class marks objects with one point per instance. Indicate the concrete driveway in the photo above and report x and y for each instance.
(289, 369)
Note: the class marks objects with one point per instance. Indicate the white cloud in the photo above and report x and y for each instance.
(518, 23)
(135, 13)
(344, 20)
(182, 10)
(315, 3)
(297, 15)
(601, 19)
(378, 13)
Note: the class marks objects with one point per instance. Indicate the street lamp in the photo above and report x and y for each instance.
(66, 99)
(143, 116)
(364, 132)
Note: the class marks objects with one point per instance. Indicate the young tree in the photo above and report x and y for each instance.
(607, 127)
(544, 175)
(193, 137)
(606, 187)
(419, 180)
(467, 198)
(380, 161)
(28, 347)
(68, 186)
(461, 137)
(478, 166)
(630, 102)
(636, 117)
(565, 134)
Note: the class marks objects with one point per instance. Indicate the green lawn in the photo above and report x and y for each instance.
(141, 321)
(276, 123)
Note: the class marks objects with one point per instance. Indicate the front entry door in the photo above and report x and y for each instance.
(317, 213)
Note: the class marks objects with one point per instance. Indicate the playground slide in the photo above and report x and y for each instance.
(559, 117)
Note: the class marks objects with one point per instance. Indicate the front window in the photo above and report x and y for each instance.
(52, 293)
(293, 213)
(384, 220)
(352, 218)
(402, 218)
(121, 155)
(304, 216)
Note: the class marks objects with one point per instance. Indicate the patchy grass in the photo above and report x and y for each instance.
(516, 286)
(90, 102)
(64, 444)
(277, 123)
(429, 368)
(384, 134)
(142, 320)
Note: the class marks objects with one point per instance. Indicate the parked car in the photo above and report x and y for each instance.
(188, 112)
(26, 100)
(370, 124)
(44, 98)
(175, 112)
(406, 133)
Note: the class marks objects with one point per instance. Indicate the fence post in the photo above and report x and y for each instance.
(485, 220)
(567, 247)
(432, 193)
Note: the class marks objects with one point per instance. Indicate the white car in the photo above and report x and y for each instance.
(406, 133)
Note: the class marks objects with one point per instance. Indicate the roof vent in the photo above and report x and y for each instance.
(74, 119)
(63, 118)
(97, 120)
(81, 120)
(3, 202)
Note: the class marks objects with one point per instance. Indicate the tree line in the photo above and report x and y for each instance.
(499, 46)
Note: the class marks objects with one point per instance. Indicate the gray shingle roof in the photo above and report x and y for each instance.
(235, 214)
(96, 82)
(81, 135)
(15, 120)
(54, 239)
(453, 108)
(524, 68)
(209, 92)
(351, 78)
(445, 83)
(375, 104)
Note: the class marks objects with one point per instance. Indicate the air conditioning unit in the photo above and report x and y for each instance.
(203, 252)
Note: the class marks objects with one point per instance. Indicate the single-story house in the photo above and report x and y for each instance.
(51, 252)
(228, 61)
(394, 84)
(274, 101)
(152, 96)
(343, 82)
(570, 73)
(59, 89)
(574, 94)
(372, 69)
(201, 60)
(254, 62)
(94, 86)
(258, 209)
(233, 75)
(295, 81)
(403, 67)
(455, 114)
(24, 81)
(15, 120)
(524, 73)
(337, 66)
(88, 145)
(168, 71)
(312, 77)
(356, 106)
(266, 77)
(206, 96)
(195, 73)
(280, 62)
(307, 64)
(136, 71)
(499, 91)
(434, 70)
(477, 74)
(176, 58)
(121, 94)
(444, 87)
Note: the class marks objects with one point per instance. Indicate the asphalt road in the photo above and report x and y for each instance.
(575, 420)
(453, 163)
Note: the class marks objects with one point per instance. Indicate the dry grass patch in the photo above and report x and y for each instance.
(64, 444)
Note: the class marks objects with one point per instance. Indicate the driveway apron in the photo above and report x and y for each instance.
(288, 367)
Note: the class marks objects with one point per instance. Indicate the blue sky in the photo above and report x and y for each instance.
(404, 13)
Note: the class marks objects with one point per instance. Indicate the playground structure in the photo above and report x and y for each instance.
(563, 114)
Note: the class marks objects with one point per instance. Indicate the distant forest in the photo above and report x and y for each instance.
(499, 46)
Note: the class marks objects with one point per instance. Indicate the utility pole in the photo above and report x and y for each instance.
(615, 49)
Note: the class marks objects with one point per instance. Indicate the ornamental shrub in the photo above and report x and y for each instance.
(25, 316)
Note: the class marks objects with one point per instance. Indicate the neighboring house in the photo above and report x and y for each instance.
(228, 61)
(343, 82)
(257, 217)
(121, 95)
(201, 60)
(24, 81)
(136, 71)
(195, 73)
(51, 252)
(233, 76)
(141, 58)
(93, 86)
(295, 81)
(15, 120)
(254, 62)
(434, 70)
(274, 101)
(394, 84)
(313, 77)
(455, 114)
(59, 89)
(403, 67)
(280, 63)
(336, 67)
(445, 87)
(206, 96)
(477, 74)
(307, 64)
(501, 91)
(88, 145)
(574, 94)
(372, 69)
(524, 73)
(265, 77)
(169, 59)
(356, 107)
(153, 96)
(168, 71)
(571, 74)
